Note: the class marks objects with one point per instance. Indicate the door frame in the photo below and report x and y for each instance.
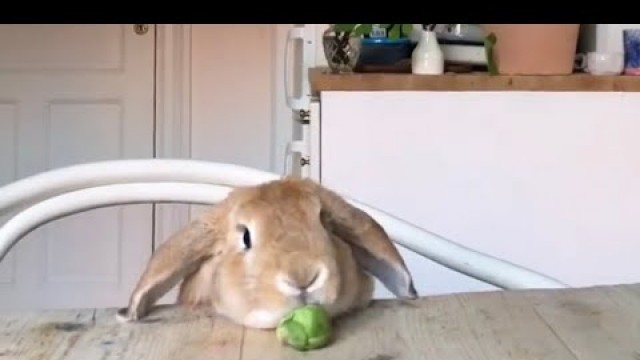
(172, 114)
(173, 110)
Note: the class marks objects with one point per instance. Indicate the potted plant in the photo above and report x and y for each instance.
(348, 45)
(341, 44)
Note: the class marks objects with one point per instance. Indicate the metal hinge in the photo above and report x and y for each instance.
(301, 146)
(304, 116)
(304, 120)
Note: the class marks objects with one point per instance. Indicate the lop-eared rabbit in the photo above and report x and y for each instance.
(267, 249)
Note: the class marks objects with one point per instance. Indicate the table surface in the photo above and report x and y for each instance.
(585, 323)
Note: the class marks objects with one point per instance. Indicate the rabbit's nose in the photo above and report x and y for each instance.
(310, 282)
(302, 285)
(318, 280)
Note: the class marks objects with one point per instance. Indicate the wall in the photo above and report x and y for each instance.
(239, 112)
(603, 37)
(232, 80)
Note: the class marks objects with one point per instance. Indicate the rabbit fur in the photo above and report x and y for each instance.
(267, 249)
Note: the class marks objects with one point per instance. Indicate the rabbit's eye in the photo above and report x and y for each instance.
(246, 238)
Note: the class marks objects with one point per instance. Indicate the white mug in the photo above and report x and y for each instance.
(601, 63)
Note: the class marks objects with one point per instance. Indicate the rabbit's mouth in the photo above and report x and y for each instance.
(295, 296)
(264, 319)
(270, 318)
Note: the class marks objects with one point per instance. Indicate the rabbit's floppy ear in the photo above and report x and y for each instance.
(176, 258)
(372, 248)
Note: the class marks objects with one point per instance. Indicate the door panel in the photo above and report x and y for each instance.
(72, 94)
(39, 47)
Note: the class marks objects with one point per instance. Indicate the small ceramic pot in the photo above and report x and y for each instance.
(631, 41)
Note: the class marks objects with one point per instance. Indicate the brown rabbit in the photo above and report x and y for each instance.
(267, 249)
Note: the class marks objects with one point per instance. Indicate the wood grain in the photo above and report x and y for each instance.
(594, 324)
(570, 324)
(506, 327)
(321, 79)
(169, 333)
(47, 335)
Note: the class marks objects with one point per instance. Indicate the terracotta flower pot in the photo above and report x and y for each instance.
(534, 49)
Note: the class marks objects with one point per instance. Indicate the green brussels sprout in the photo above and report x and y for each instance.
(305, 328)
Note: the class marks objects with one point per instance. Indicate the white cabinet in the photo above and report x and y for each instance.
(548, 180)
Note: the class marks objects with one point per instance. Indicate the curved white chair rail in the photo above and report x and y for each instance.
(102, 196)
(34, 188)
(464, 260)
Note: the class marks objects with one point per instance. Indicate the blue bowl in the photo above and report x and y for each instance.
(384, 51)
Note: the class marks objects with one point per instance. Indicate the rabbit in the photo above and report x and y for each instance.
(267, 249)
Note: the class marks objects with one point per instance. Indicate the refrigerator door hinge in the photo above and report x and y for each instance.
(304, 116)
(301, 147)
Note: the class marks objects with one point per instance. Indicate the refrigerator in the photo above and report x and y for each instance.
(302, 51)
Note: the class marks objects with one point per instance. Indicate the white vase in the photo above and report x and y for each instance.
(427, 57)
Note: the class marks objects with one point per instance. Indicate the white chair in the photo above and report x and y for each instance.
(48, 196)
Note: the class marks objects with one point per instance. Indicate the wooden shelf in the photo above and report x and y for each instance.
(321, 79)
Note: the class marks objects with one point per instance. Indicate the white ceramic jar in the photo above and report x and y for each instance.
(427, 58)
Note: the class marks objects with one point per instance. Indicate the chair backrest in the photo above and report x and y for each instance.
(65, 191)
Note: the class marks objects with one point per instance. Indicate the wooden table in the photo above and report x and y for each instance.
(600, 323)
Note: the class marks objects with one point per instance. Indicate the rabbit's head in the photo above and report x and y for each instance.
(267, 249)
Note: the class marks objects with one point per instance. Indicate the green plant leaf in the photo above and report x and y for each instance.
(407, 29)
(343, 27)
(363, 29)
(489, 43)
(394, 33)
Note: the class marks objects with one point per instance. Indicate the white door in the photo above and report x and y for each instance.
(72, 94)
